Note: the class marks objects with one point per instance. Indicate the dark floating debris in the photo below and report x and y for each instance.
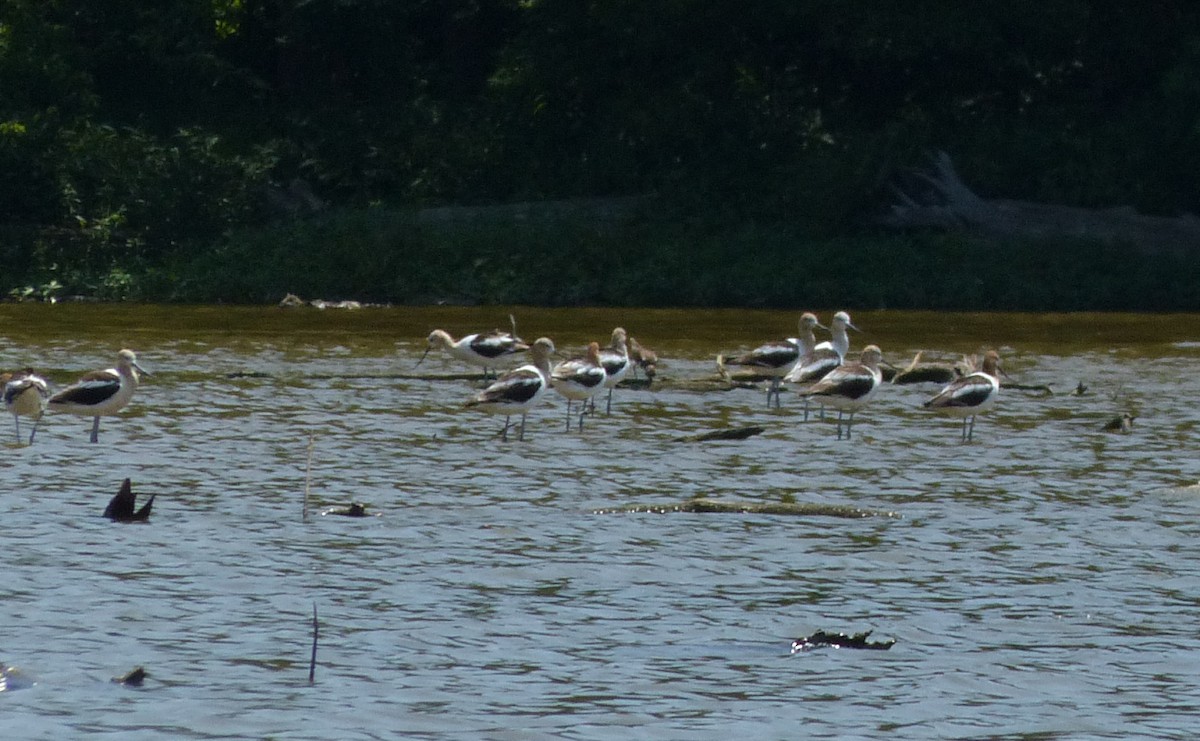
(134, 678)
(734, 433)
(794, 509)
(355, 509)
(121, 507)
(1122, 423)
(821, 639)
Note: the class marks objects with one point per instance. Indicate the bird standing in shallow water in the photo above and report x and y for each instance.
(484, 349)
(25, 395)
(616, 362)
(579, 379)
(101, 393)
(519, 390)
(850, 386)
(824, 357)
(777, 359)
(973, 394)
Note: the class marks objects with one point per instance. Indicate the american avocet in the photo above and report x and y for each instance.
(25, 395)
(644, 358)
(850, 386)
(517, 391)
(100, 393)
(970, 395)
(484, 349)
(824, 357)
(776, 359)
(616, 362)
(579, 379)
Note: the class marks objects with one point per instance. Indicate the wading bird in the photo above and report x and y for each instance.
(616, 362)
(25, 395)
(519, 390)
(776, 359)
(973, 394)
(850, 386)
(825, 357)
(579, 379)
(101, 393)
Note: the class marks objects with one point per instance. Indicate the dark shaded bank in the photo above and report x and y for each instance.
(389, 256)
(395, 256)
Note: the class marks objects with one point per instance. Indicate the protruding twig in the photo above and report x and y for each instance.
(312, 441)
(312, 662)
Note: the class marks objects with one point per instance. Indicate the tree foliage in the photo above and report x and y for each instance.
(139, 130)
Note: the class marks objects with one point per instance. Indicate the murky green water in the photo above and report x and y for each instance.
(1041, 582)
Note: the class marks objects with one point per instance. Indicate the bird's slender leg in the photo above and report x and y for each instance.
(33, 432)
(608, 406)
(521, 437)
(95, 430)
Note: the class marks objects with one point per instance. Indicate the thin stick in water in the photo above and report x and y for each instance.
(312, 662)
(312, 441)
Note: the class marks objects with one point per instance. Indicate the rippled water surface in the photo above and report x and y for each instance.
(1040, 582)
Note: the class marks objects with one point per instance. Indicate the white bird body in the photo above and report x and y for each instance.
(483, 349)
(974, 393)
(850, 386)
(825, 356)
(616, 362)
(100, 393)
(579, 379)
(776, 360)
(519, 390)
(25, 395)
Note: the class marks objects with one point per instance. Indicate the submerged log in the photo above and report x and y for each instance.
(937, 198)
(821, 639)
(791, 509)
(733, 433)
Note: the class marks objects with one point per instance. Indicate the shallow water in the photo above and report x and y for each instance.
(1040, 582)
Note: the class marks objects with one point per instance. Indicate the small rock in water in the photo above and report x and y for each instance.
(354, 509)
(134, 678)
(1122, 423)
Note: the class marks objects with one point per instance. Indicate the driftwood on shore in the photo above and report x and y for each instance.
(937, 198)
(789, 509)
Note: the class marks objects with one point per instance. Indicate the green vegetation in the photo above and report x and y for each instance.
(236, 150)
